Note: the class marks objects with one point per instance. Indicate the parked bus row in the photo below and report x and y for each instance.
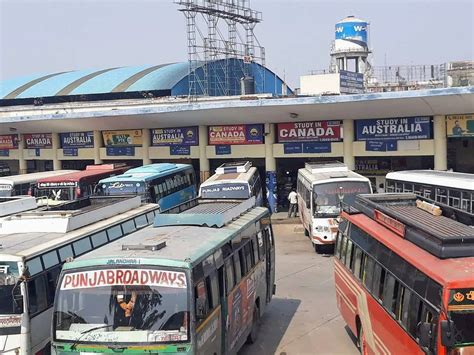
(404, 276)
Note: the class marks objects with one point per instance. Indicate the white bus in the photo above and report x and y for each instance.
(321, 189)
(454, 192)
(236, 180)
(33, 248)
(24, 184)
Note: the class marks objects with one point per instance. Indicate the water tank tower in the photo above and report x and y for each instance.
(350, 49)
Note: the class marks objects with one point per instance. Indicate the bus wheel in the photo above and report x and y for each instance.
(364, 350)
(252, 338)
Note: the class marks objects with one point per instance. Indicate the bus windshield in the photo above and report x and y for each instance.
(122, 306)
(122, 188)
(463, 316)
(8, 278)
(5, 190)
(56, 193)
(230, 190)
(325, 196)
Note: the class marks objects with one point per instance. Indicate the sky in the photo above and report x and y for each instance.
(48, 36)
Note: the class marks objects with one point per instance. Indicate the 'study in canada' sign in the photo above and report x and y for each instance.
(236, 134)
(9, 141)
(315, 131)
(38, 140)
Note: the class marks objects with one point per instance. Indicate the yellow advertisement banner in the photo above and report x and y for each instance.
(460, 125)
(123, 138)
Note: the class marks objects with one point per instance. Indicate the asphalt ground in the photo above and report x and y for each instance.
(302, 317)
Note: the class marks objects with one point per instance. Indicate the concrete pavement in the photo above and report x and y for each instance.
(303, 317)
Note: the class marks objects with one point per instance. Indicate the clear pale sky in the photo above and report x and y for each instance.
(47, 36)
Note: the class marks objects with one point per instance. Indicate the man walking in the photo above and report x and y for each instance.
(293, 198)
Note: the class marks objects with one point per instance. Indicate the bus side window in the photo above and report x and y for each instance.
(414, 315)
(249, 255)
(348, 258)
(379, 280)
(237, 267)
(229, 272)
(261, 247)
(255, 249)
(390, 293)
(201, 294)
(52, 280)
(357, 260)
(368, 273)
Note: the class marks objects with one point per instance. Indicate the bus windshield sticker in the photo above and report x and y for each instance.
(10, 321)
(127, 277)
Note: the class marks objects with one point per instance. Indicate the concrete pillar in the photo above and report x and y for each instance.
(97, 145)
(348, 127)
(440, 143)
(204, 166)
(22, 165)
(270, 167)
(146, 142)
(55, 147)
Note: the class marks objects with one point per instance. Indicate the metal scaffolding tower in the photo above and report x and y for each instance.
(219, 55)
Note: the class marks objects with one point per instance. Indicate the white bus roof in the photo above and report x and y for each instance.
(451, 179)
(322, 176)
(184, 244)
(230, 177)
(30, 244)
(28, 178)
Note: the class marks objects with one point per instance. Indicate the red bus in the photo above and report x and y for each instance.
(405, 277)
(75, 185)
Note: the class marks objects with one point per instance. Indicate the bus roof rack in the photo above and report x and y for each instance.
(438, 235)
(234, 167)
(140, 246)
(326, 167)
(210, 213)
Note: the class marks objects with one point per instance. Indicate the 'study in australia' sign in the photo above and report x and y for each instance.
(175, 136)
(77, 140)
(409, 128)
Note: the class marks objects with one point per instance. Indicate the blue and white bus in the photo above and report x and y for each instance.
(166, 184)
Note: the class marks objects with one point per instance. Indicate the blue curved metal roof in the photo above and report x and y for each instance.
(171, 77)
(83, 82)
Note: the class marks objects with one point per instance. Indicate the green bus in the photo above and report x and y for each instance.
(196, 282)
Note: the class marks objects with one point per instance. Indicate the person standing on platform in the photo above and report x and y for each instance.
(293, 198)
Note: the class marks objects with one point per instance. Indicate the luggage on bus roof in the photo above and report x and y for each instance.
(234, 167)
(439, 235)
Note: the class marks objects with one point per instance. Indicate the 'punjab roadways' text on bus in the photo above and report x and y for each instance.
(72, 186)
(33, 248)
(320, 188)
(404, 277)
(196, 283)
(452, 191)
(25, 184)
(237, 180)
(166, 184)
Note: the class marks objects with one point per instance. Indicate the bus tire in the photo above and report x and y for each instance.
(364, 350)
(252, 338)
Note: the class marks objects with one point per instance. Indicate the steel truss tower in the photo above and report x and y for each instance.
(222, 46)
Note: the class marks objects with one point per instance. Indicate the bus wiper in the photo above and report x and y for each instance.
(73, 346)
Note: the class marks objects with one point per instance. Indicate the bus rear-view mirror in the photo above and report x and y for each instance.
(447, 338)
(425, 331)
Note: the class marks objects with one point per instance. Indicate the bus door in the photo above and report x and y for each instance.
(207, 306)
(270, 261)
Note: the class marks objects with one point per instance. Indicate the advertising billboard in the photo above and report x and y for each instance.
(351, 82)
(77, 139)
(315, 131)
(38, 140)
(132, 137)
(175, 136)
(409, 128)
(236, 134)
(460, 125)
(9, 141)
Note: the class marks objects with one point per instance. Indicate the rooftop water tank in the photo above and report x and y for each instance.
(352, 28)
